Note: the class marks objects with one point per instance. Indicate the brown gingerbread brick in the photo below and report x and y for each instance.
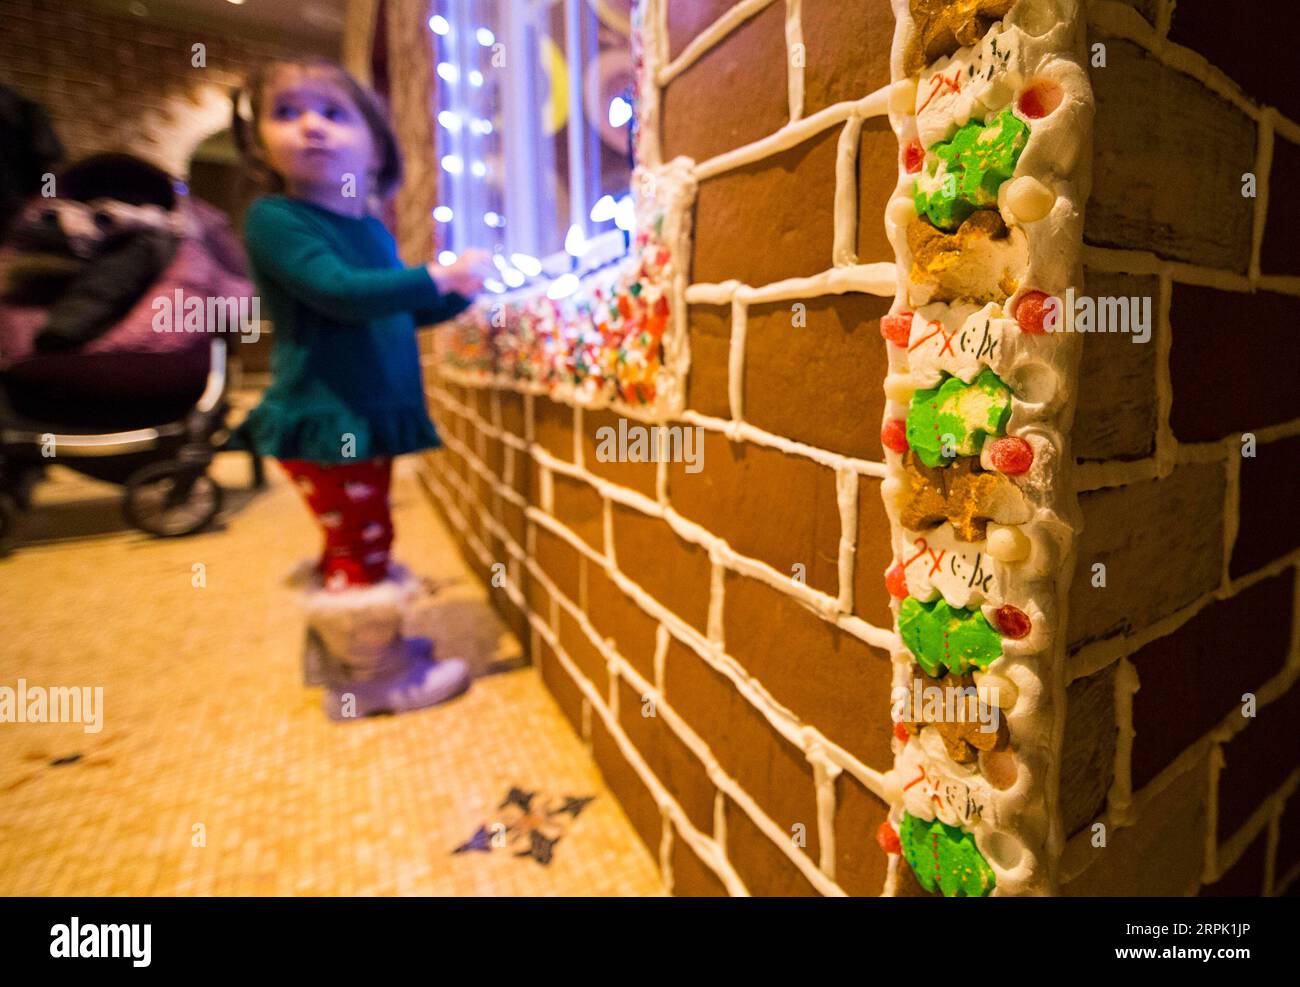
(672, 762)
(774, 772)
(763, 866)
(553, 427)
(1258, 760)
(1277, 253)
(860, 864)
(692, 878)
(560, 561)
(778, 508)
(785, 203)
(1288, 842)
(1088, 750)
(584, 654)
(673, 571)
(1245, 879)
(1266, 80)
(1204, 145)
(1162, 856)
(1270, 489)
(687, 20)
(636, 476)
(1223, 342)
(579, 506)
(1161, 542)
(709, 327)
(560, 685)
(1116, 413)
(616, 616)
(825, 676)
(834, 397)
(733, 95)
(835, 71)
(512, 412)
(877, 172)
(873, 556)
(635, 799)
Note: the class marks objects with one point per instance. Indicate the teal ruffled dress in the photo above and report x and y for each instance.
(345, 363)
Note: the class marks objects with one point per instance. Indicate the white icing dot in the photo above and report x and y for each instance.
(1007, 543)
(1029, 199)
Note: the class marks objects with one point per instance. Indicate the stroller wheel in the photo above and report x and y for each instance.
(170, 499)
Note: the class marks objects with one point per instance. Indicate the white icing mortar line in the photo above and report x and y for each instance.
(724, 782)
(707, 38)
(736, 431)
(795, 57)
(844, 251)
(871, 279)
(1127, 810)
(793, 134)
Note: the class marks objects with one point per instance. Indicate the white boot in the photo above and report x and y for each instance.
(357, 649)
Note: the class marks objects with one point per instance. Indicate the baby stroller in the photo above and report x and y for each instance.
(87, 380)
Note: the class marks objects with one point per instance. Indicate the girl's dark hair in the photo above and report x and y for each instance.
(247, 117)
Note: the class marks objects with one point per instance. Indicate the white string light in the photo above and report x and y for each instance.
(575, 241)
(620, 111)
(438, 25)
(531, 266)
(443, 214)
(447, 257)
(448, 72)
(562, 287)
(449, 119)
(603, 210)
(485, 37)
(452, 164)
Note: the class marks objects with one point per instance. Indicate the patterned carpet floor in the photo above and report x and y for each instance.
(215, 772)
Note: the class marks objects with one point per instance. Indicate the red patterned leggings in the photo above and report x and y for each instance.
(350, 501)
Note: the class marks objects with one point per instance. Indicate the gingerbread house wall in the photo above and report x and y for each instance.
(643, 586)
(740, 602)
(1198, 538)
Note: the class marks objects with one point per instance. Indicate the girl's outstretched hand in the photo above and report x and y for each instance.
(466, 275)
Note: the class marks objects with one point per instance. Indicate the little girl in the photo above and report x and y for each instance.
(347, 393)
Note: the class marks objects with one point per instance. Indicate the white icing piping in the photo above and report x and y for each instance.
(794, 133)
(736, 359)
(795, 57)
(706, 39)
(871, 279)
(780, 718)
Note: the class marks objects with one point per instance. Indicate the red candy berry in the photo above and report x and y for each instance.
(896, 582)
(1013, 622)
(913, 156)
(901, 733)
(1011, 455)
(888, 839)
(1039, 99)
(894, 435)
(1031, 312)
(897, 328)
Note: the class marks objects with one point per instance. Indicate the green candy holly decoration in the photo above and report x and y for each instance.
(971, 168)
(947, 639)
(944, 857)
(957, 415)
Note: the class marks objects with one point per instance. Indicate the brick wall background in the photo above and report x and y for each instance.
(1199, 539)
(642, 586)
(722, 599)
(119, 83)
